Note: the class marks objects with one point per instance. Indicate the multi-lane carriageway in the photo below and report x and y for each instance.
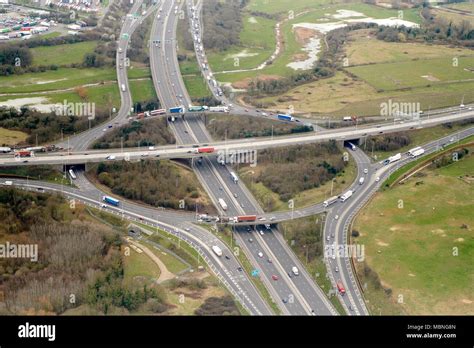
(192, 131)
(294, 296)
(193, 124)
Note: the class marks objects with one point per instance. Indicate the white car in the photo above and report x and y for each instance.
(260, 254)
(111, 157)
(377, 179)
(336, 217)
(366, 171)
(261, 232)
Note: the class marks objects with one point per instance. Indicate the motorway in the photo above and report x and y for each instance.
(297, 295)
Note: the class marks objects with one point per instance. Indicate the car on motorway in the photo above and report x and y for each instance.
(366, 171)
(260, 254)
(336, 269)
(377, 179)
(269, 261)
(261, 232)
(227, 257)
(110, 157)
(250, 240)
(239, 269)
(235, 195)
(336, 217)
(275, 277)
(295, 271)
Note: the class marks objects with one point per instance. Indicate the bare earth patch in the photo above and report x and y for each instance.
(303, 35)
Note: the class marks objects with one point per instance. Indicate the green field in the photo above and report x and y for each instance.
(278, 6)
(139, 265)
(104, 90)
(142, 90)
(455, 17)
(62, 54)
(364, 48)
(257, 45)
(11, 137)
(415, 73)
(422, 250)
(96, 94)
(55, 79)
(463, 6)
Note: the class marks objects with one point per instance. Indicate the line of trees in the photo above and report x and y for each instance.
(238, 127)
(45, 127)
(138, 133)
(289, 171)
(389, 142)
(222, 21)
(157, 183)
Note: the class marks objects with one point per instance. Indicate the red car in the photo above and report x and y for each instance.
(274, 277)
